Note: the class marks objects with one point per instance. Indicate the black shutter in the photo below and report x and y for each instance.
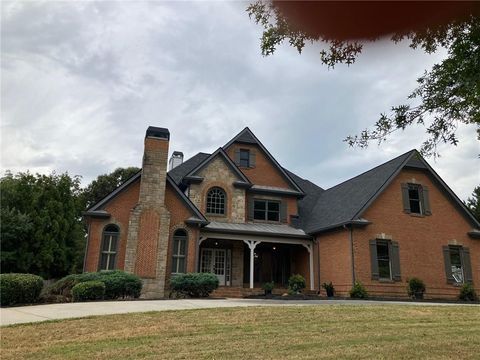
(373, 258)
(426, 201)
(252, 159)
(467, 266)
(395, 259)
(250, 208)
(406, 198)
(237, 157)
(448, 265)
(283, 211)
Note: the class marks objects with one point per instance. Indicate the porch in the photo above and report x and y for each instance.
(247, 261)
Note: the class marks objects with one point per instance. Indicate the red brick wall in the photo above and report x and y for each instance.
(147, 247)
(119, 207)
(420, 239)
(264, 172)
(178, 214)
(334, 251)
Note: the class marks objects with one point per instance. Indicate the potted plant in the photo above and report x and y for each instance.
(416, 288)
(329, 289)
(268, 287)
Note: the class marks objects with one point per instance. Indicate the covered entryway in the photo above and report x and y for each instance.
(254, 254)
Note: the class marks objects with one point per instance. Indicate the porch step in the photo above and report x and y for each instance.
(234, 292)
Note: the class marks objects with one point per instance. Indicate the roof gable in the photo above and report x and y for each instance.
(246, 136)
(193, 174)
(346, 202)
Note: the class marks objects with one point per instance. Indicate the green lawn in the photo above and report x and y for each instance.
(329, 331)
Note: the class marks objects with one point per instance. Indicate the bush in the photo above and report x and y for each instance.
(88, 290)
(358, 291)
(194, 284)
(19, 289)
(296, 283)
(329, 288)
(118, 284)
(416, 288)
(467, 293)
(268, 286)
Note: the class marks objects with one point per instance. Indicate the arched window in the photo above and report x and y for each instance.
(108, 251)
(179, 251)
(216, 201)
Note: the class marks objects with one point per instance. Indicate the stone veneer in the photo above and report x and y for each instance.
(218, 173)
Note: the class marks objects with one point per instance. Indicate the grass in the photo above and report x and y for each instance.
(329, 331)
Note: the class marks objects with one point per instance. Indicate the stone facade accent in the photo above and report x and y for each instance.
(237, 263)
(217, 173)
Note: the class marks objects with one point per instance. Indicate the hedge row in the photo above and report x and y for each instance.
(118, 284)
(193, 284)
(88, 290)
(19, 289)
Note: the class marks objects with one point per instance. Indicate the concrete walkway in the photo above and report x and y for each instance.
(36, 313)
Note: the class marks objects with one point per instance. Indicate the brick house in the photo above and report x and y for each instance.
(239, 214)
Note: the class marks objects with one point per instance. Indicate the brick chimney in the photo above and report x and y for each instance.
(147, 240)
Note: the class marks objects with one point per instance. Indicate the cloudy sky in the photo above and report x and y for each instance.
(82, 81)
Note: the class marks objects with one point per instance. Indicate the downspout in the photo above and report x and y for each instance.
(352, 255)
(86, 248)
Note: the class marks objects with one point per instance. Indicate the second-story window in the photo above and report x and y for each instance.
(244, 158)
(414, 191)
(216, 201)
(266, 210)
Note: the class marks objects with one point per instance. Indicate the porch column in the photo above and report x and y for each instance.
(309, 248)
(252, 245)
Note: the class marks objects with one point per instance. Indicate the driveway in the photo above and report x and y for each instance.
(36, 313)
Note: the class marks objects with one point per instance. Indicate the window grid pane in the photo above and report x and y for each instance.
(216, 201)
(456, 263)
(244, 158)
(266, 210)
(383, 258)
(109, 248)
(179, 254)
(414, 198)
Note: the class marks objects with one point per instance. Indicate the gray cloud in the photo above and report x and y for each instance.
(82, 81)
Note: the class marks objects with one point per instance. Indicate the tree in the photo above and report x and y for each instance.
(105, 184)
(446, 96)
(41, 226)
(473, 203)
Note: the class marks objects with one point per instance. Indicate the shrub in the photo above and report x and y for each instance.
(358, 291)
(88, 290)
(296, 283)
(19, 288)
(467, 293)
(118, 284)
(329, 289)
(194, 284)
(416, 288)
(268, 286)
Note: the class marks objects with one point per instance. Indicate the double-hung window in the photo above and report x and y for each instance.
(267, 210)
(179, 252)
(244, 158)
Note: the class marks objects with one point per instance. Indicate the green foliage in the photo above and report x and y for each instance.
(41, 224)
(473, 203)
(446, 96)
(19, 288)
(194, 284)
(467, 293)
(268, 286)
(88, 290)
(118, 284)
(329, 288)
(358, 291)
(105, 184)
(416, 288)
(296, 283)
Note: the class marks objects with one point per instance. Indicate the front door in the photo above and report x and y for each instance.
(215, 261)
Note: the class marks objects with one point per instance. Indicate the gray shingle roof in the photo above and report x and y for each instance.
(183, 169)
(344, 202)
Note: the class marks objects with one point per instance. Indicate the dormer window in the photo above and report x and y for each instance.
(244, 158)
(216, 201)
